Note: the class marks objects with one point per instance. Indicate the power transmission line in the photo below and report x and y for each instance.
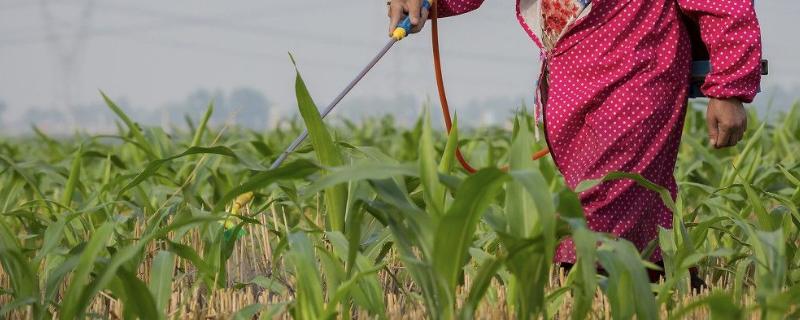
(70, 56)
(172, 20)
(67, 52)
(169, 20)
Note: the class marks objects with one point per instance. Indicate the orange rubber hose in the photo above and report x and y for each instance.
(437, 65)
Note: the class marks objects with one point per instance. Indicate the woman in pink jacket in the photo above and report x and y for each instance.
(613, 92)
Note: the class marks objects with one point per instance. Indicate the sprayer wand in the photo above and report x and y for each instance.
(403, 29)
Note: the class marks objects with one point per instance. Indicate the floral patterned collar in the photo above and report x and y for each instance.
(557, 16)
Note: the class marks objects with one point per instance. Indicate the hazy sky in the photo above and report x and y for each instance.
(153, 52)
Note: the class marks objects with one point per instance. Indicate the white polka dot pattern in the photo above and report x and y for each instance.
(617, 94)
(449, 8)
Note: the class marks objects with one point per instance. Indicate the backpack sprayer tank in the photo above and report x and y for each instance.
(701, 64)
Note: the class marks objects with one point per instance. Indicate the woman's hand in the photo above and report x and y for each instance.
(399, 8)
(727, 122)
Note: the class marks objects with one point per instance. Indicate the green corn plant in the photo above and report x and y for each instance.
(582, 280)
(378, 223)
(309, 303)
(627, 287)
(361, 283)
(530, 216)
(133, 128)
(24, 282)
(326, 151)
(432, 245)
(622, 261)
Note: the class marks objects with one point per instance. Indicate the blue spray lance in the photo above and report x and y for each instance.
(403, 29)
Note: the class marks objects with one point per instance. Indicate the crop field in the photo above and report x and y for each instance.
(375, 220)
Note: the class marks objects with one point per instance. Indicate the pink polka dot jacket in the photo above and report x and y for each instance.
(614, 95)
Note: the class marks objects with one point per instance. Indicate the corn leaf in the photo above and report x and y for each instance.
(454, 234)
(309, 303)
(161, 278)
(327, 152)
